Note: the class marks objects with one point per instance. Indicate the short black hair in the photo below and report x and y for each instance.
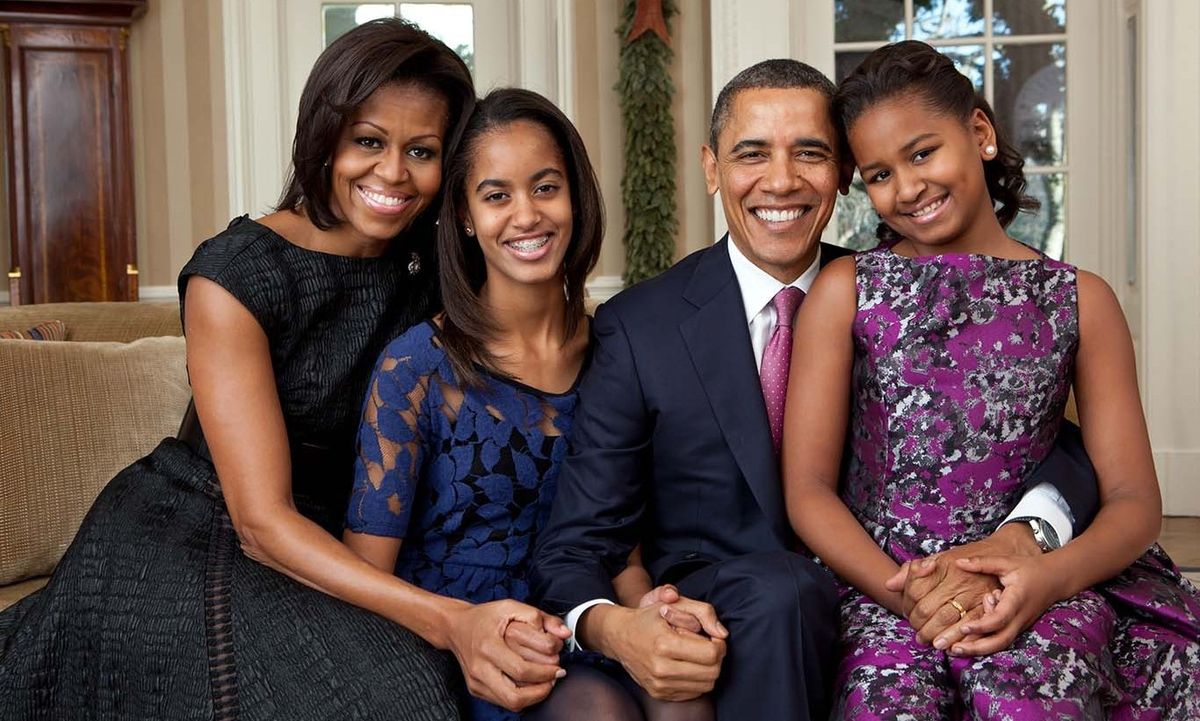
(467, 325)
(781, 73)
(354, 66)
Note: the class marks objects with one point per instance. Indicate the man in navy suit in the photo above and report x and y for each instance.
(673, 448)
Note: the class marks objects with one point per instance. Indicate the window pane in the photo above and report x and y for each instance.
(934, 19)
(337, 18)
(453, 24)
(969, 61)
(845, 63)
(856, 218)
(1046, 229)
(861, 20)
(1029, 17)
(1031, 100)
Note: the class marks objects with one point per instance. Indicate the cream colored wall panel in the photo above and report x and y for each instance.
(1171, 247)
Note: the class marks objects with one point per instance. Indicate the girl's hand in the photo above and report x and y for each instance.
(1030, 587)
(493, 671)
(537, 645)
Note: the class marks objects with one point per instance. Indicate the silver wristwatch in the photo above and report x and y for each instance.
(1044, 534)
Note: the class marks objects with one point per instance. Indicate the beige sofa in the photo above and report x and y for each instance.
(72, 414)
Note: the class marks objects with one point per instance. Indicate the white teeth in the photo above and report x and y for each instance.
(928, 208)
(532, 244)
(778, 216)
(381, 199)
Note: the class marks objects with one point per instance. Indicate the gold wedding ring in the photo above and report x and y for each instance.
(962, 612)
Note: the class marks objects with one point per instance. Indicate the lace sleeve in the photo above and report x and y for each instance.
(392, 441)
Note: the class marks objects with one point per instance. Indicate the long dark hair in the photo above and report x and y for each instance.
(914, 68)
(354, 66)
(467, 327)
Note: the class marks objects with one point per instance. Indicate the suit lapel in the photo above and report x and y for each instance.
(718, 340)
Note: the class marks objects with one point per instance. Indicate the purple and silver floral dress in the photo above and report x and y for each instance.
(962, 368)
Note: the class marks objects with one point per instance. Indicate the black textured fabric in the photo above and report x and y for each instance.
(154, 613)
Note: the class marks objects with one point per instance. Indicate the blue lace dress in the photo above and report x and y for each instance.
(464, 475)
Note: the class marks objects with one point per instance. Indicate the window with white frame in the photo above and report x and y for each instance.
(1015, 52)
(452, 23)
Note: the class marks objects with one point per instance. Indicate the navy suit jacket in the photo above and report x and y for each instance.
(670, 446)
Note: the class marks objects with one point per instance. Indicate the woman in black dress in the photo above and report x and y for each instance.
(207, 582)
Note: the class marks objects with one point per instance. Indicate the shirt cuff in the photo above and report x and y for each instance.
(1045, 502)
(575, 614)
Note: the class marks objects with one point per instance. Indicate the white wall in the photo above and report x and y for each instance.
(1170, 248)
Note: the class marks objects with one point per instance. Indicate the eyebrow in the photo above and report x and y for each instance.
(905, 149)
(427, 136)
(919, 139)
(495, 183)
(802, 142)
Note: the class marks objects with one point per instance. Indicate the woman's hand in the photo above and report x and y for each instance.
(1030, 586)
(494, 671)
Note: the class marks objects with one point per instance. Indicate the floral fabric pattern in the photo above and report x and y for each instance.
(963, 364)
(464, 475)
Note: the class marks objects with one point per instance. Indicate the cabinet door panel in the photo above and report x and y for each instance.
(72, 221)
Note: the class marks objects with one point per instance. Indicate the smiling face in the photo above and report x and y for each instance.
(924, 173)
(518, 204)
(776, 167)
(387, 166)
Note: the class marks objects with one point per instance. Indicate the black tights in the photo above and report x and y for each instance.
(588, 693)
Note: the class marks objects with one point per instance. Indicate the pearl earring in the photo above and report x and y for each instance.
(989, 150)
(470, 231)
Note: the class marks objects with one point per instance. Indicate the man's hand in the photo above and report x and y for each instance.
(674, 613)
(1029, 589)
(670, 664)
(493, 670)
(931, 583)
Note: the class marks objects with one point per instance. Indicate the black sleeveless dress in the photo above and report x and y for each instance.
(155, 613)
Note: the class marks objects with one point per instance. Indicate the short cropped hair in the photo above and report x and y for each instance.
(354, 66)
(780, 73)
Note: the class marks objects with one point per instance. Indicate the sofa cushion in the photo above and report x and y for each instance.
(107, 321)
(71, 416)
(11, 594)
(50, 330)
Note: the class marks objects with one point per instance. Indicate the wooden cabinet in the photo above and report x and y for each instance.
(66, 85)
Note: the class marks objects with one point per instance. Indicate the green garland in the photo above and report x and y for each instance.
(648, 185)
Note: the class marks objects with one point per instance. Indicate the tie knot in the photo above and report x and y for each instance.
(786, 301)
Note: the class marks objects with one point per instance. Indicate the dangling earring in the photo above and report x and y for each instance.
(989, 150)
(414, 263)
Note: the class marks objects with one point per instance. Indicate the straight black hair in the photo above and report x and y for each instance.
(913, 68)
(467, 326)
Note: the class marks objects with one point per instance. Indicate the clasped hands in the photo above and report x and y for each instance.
(1001, 584)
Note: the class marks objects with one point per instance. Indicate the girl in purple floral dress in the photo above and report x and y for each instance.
(949, 351)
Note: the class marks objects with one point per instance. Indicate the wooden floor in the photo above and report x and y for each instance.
(1181, 538)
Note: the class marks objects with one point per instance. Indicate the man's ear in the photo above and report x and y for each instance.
(708, 160)
(845, 173)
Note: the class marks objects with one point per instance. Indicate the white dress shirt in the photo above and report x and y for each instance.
(758, 290)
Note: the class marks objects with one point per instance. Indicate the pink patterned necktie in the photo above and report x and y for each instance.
(777, 358)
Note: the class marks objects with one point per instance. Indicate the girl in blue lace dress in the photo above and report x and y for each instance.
(467, 417)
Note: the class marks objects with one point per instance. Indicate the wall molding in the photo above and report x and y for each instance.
(158, 293)
(602, 287)
(1177, 479)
